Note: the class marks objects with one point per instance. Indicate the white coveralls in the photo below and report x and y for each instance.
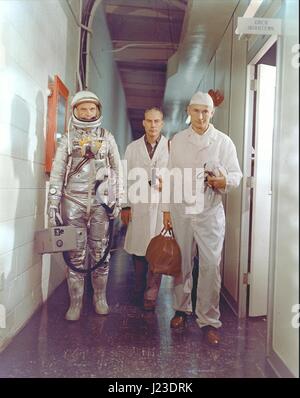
(206, 229)
(147, 220)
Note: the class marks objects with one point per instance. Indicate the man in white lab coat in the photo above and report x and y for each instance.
(202, 147)
(143, 216)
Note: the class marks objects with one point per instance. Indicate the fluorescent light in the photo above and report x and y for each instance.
(252, 8)
(250, 12)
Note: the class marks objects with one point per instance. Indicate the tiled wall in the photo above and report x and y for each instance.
(38, 39)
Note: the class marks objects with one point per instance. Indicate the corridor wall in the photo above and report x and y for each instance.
(283, 334)
(231, 60)
(104, 79)
(38, 39)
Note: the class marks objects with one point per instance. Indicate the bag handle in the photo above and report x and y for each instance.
(164, 231)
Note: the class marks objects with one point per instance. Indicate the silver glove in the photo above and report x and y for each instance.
(116, 211)
(54, 216)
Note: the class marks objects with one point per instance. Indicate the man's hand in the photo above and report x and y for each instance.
(216, 182)
(159, 183)
(126, 216)
(167, 220)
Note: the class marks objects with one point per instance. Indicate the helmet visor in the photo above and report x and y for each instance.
(87, 111)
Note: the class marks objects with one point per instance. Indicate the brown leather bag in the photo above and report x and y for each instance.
(163, 254)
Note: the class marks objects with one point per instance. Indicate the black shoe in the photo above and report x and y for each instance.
(149, 305)
(178, 321)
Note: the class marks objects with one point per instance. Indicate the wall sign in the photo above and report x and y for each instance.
(258, 26)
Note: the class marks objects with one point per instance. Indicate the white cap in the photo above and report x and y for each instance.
(200, 98)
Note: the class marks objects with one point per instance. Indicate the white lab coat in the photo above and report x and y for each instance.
(207, 228)
(146, 217)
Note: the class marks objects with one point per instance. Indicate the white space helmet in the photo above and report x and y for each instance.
(85, 96)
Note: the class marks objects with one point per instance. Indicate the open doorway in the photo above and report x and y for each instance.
(262, 75)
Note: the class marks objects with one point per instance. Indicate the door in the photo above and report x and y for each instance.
(262, 190)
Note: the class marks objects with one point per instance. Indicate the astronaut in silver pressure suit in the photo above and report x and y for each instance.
(85, 155)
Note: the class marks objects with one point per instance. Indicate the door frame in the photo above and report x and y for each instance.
(246, 192)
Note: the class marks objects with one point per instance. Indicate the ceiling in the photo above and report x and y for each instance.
(160, 46)
(144, 34)
(204, 26)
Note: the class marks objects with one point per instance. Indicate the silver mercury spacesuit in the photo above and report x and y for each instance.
(86, 154)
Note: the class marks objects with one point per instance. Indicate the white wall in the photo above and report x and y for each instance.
(104, 80)
(284, 255)
(232, 57)
(38, 39)
(208, 81)
(222, 80)
(236, 92)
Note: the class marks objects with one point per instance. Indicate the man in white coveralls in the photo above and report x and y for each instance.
(201, 146)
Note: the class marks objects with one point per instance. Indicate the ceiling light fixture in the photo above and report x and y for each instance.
(151, 45)
(252, 8)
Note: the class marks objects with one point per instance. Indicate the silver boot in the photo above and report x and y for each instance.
(76, 289)
(99, 282)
